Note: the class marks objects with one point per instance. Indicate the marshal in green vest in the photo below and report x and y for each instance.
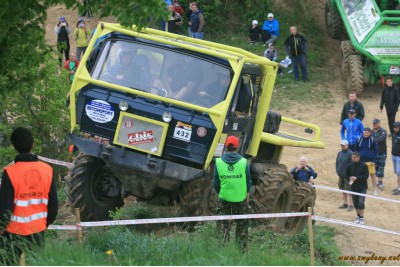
(233, 180)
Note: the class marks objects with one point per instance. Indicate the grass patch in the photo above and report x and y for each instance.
(173, 247)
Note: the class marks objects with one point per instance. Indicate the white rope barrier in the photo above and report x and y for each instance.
(355, 193)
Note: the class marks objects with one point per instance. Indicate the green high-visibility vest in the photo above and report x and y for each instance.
(232, 179)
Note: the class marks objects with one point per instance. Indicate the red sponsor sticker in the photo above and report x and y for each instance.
(140, 138)
(128, 124)
(201, 131)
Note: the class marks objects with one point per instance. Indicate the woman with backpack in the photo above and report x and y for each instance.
(81, 35)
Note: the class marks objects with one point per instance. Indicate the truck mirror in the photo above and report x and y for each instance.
(308, 130)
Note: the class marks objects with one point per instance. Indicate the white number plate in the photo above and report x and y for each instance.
(182, 134)
(394, 70)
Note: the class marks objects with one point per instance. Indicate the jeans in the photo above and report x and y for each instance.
(198, 35)
(79, 51)
(300, 59)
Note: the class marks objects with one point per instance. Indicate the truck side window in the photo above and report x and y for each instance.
(245, 96)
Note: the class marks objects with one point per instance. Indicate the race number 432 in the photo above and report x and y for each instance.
(182, 134)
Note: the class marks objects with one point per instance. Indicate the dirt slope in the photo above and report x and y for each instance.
(382, 214)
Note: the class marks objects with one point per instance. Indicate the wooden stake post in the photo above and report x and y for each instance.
(22, 259)
(311, 236)
(78, 222)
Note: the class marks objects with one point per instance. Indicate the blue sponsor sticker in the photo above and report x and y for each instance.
(99, 111)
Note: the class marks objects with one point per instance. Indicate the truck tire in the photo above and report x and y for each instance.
(333, 21)
(84, 187)
(273, 191)
(303, 197)
(191, 197)
(346, 49)
(355, 79)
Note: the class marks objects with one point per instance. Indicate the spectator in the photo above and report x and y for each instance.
(254, 32)
(352, 129)
(28, 198)
(174, 22)
(177, 7)
(188, 16)
(168, 4)
(71, 65)
(343, 159)
(232, 181)
(353, 103)
(396, 155)
(197, 22)
(87, 10)
(270, 30)
(81, 35)
(303, 172)
(379, 134)
(296, 48)
(357, 173)
(63, 31)
(390, 99)
(272, 55)
(368, 150)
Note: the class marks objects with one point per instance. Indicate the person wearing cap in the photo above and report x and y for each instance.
(368, 150)
(63, 46)
(390, 99)
(352, 129)
(296, 48)
(232, 182)
(355, 104)
(396, 155)
(343, 159)
(270, 30)
(81, 35)
(272, 55)
(379, 134)
(357, 173)
(303, 172)
(254, 32)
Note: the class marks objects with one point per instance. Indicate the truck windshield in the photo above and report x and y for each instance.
(163, 72)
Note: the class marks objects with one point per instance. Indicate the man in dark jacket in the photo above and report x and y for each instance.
(379, 134)
(368, 149)
(353, 104)
(396, 155)
(28, 199)
(232, 181)
(197, 22)
(357, 173)
(343, 159)
(390, 99)
(296, 48)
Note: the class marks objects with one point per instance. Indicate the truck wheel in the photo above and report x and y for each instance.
(346, 49)
(273, 191)
(303, 197)
(355, 79)
(333, 21)
(191, 196)
(86, 186)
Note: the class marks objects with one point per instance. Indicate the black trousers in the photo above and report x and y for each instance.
(391, 118)
(265, 35)
(359, 201)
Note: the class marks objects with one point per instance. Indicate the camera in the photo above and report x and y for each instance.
(302, 168)
(63, 24)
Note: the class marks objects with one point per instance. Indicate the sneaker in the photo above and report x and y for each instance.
(394, 190)
(375, 193)
(264, 44)
(357, 220)
(281, 75)
(396, 193)
(290, 71)
(380, 186)
(343, 206)
(361, 221)
(349, 208)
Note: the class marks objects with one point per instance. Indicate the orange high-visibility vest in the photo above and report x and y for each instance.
(31, 182)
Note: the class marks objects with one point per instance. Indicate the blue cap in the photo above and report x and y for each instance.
(81, 20)
(63, 19)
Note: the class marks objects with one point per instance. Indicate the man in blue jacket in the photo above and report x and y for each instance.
(352, 129)
(368, 150)
(303, 172)
(270, 30)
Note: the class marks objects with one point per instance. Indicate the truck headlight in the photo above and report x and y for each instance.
(167, 117)
(123, 105)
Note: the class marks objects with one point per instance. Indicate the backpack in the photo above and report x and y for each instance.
(272, 122)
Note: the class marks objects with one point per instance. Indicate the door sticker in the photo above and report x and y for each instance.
(99, 111)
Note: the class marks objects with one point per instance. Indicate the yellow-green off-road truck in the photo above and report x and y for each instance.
(150, 112)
